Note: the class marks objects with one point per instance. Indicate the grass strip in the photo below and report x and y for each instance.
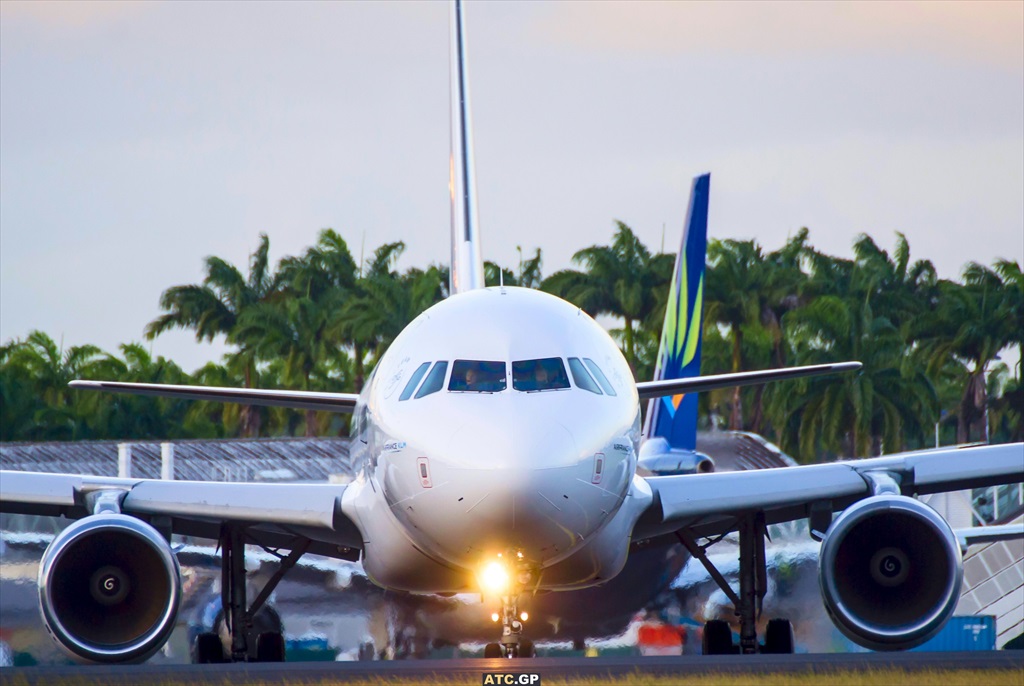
(852, 677)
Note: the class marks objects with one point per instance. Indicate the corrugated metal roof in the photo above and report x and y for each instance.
(309, 459)
(738, 450)
(312, 459)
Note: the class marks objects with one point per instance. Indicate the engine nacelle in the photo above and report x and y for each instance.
(890, 572)
(658, 457)
(109, 589)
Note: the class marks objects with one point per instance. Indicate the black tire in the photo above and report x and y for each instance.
(270, 647)
(208, 649)
(526, 648)
(492, 650)
(717, 638)
(778, 637)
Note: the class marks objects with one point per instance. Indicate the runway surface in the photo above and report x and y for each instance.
(472, 669)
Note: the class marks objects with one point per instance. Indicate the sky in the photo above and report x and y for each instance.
(137, 138)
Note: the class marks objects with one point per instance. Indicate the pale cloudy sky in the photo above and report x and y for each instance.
(138, 138)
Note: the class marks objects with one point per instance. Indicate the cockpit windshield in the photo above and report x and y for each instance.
(547, 374)
(477, 376)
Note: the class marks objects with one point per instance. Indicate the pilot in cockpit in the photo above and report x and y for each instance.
(541, 376)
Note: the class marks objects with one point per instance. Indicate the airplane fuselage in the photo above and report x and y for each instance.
(533, 458)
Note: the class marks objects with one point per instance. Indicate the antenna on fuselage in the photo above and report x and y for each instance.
(467, 268)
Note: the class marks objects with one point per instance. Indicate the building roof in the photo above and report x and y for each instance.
(263, 459)
(291, 459)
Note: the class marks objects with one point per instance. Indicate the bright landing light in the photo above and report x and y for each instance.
(494, 578)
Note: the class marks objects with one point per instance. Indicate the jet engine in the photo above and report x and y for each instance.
(890, 572)
(661, 459)
(109, 589)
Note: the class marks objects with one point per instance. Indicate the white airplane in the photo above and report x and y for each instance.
(496, 445)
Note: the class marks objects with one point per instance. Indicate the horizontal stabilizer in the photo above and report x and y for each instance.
(989, 534)
(297, 400)
(696, 384)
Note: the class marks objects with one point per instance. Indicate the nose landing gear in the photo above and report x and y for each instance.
(512, 642)
(505, 577)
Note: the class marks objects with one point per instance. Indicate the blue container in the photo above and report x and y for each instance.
(972, 632)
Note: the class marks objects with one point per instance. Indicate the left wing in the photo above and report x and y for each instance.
(696, 384)
(274, 513)
(299, 400)
(704, 503)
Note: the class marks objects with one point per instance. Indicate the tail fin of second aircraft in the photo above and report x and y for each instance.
(467, 267)
(671, 427)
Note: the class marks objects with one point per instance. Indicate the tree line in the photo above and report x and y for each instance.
(320, 321)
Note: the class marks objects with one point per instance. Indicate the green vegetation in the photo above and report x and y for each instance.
(320, 321)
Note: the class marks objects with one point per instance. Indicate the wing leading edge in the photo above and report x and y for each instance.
(299, 400)
(696, 384)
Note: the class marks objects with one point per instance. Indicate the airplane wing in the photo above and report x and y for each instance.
(299, 400)
(979, 535)
(657, 389)
(707, 503)
(275, 514)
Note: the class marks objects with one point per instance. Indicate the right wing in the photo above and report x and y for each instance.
(978, 535)
(708, 502)
(299, 400)
(275, 513)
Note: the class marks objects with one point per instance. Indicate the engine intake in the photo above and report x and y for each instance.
(109, 589)
(890, 572)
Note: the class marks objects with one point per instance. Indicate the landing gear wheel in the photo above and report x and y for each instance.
(526, 648)
(208, 649)
(270, 647)
(492, 650)
(717, 638)
(778, 637)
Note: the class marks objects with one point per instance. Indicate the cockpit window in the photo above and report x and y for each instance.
(435, 380)
(599, 375)
(413, 380)
(581, 377)
(546, 374)
(477, 376)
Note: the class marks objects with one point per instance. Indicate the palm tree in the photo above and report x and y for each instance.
(47, 368)
(1006, 406)
(130, 416)
(972, 323)
(622, 280)
(18, 395)
(748, 292)
(383, 305)
(293, 330)
(214, 307)
(852, 414)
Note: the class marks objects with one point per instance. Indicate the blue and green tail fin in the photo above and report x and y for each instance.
(671, 426)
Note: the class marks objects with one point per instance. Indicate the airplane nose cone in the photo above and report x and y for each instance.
(514, 480)
(544, 513)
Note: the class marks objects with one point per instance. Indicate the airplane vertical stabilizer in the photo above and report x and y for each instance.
(671, 427)
(467, 267)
